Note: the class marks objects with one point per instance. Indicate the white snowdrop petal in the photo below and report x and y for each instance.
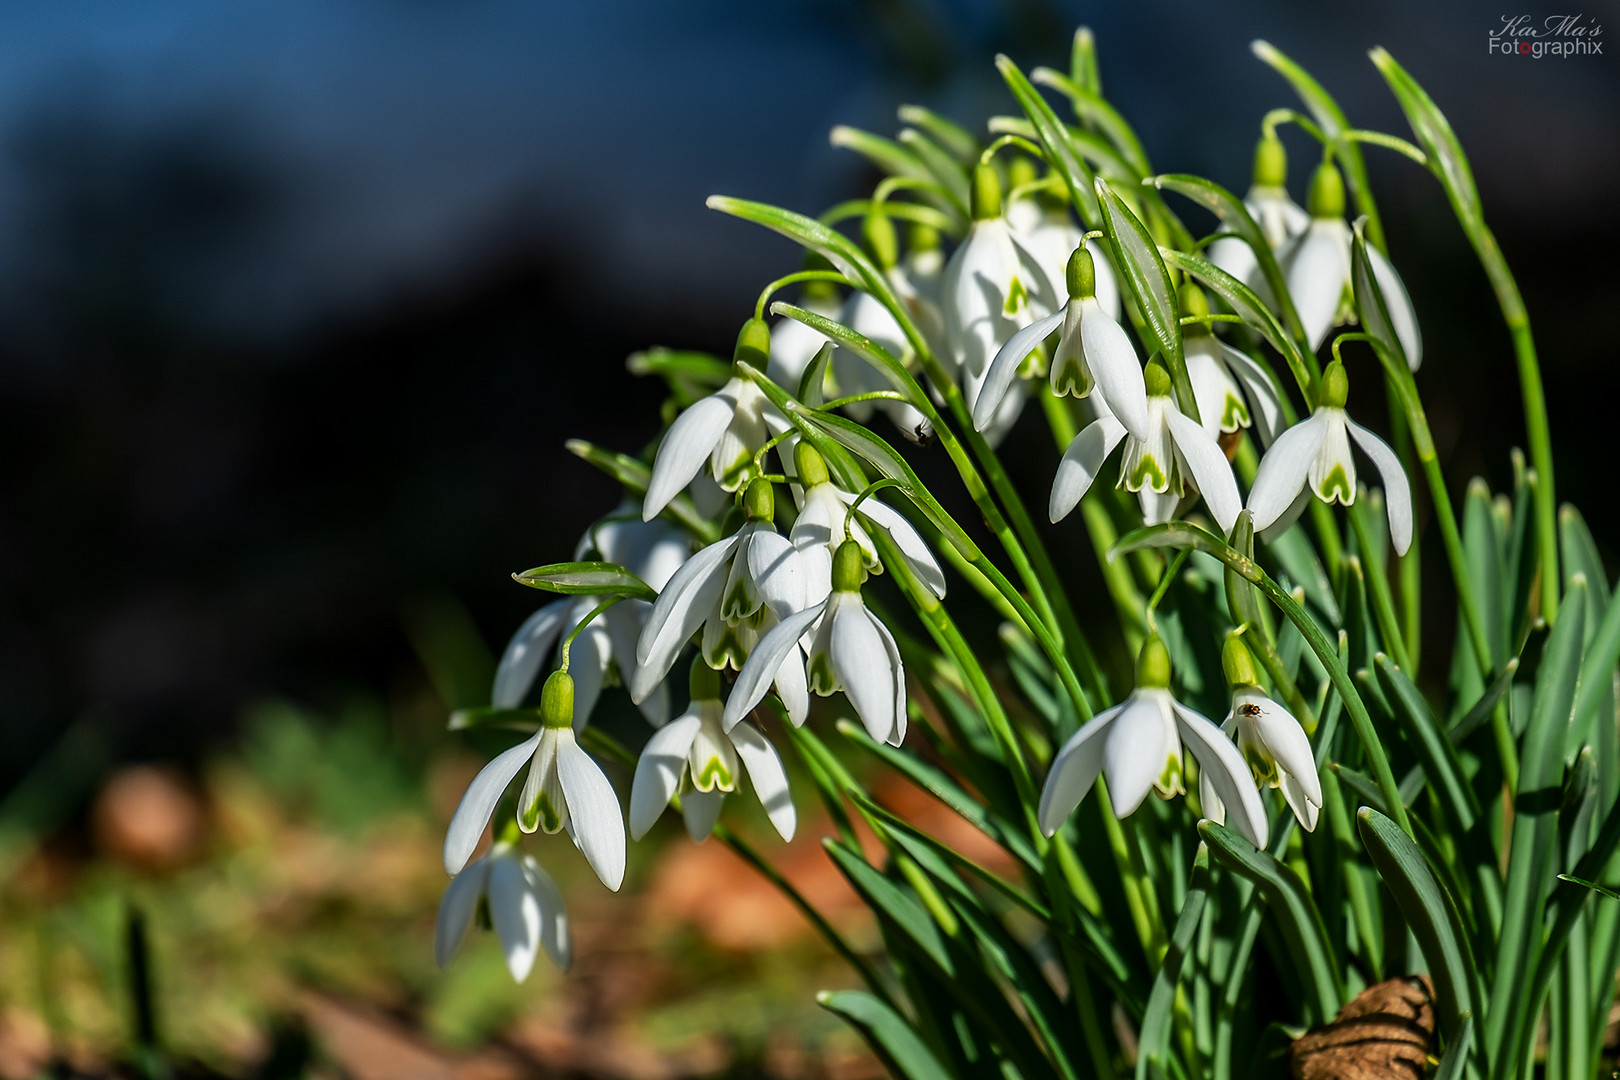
(1113, 363)
(1284, 467)
(1212, 386)
(1074, 771)
(1289, 747)
(1222, 761)
(1214, 808)
(898, 735)
(554, 934)
(1399, 304)
(456, 911)
(1236, 257)
(793, 688)
(1158, 507)
(1081, 462)
(1305, 811)
(1210, 470)
(862, 666)
(478, 803)
(1265, 409)
(765, 662)
(526, 652)
(1397, 490)
(675, 616)
(778, 572)
(767, 775)
(686, 446)
(593, 811)
(515, 912)
(911, 544)
(700, 810)
(1004, 368)
(658, 771)
(1139, 746)
(1107, 283)
(1317, 272)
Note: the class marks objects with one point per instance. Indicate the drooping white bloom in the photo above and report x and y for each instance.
(1317, 265)
(1138, 744)
(1046, 229)
(696, 748)
(866, 315)
(1176, 455)
(1232, 391)
(992, 288)
(852, 651)
(1316, 452)
(793, 344)
(725, 429)
(917, 281)
(565, 789)
(1270, 739)
(1094, 350)
(824, 521)
(1279, 217)
(525, 907)
(735, 590)
(653, 551)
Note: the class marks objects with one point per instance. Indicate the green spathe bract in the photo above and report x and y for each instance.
(1465, 814)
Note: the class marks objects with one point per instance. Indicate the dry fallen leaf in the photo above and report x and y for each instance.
(1383, 1034)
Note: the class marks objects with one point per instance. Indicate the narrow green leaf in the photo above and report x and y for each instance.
(1096, 112)
(813, 383)
(1431, 914)
(1369, 298)
(1054, 135)
(948, 133)
(1297, 918)
(468, 719)
(1601, 890)
(1428, 740)
(1153, 1040)
(945, 169)
(635, 475)
(586, 578)
(886, 154)
(704, 369)
(1254, 313)
(902, 1051)
(1434, 135)
(1137, 257)
(1454, 1065)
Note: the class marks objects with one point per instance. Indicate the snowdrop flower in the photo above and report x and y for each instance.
(735, 590)
(1094, 350)
(1271, 740)
(1316, 452)
(565, 790)
(793, 344)
(1177, 454)
(1317, 264)
(918, 280)
(653, 551)
(525, 908)
(1279, 217)
(852, 651)
(695, 748)
(992, 288)
(866, 315)
(725, 429)
(1232, 390)
(1137, 745)
(824, 521)
(1041, 222)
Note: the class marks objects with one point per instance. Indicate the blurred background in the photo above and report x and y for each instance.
(298, 301)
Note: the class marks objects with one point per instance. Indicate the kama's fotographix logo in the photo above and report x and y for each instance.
(1553, 35)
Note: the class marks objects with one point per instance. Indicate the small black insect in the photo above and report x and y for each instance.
(1249, 708)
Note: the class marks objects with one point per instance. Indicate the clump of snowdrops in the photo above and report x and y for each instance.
(1283, 805)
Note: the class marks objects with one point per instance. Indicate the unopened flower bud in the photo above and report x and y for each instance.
(1238, 663)
(986, 192)
(759, 501)
(557, 701)
(1081, 274)
(1020, 171)
(877, 232)
(1153, 665)
(1157, 380)
(1326, 197)
(922, 238)
(1270, 162)
(1335, 386)
(1192, 301)
(849, 567)
(753, 344)
(812, 468)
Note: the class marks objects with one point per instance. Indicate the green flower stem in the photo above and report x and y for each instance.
(792, 279)
(1383, 602)
(568, 642)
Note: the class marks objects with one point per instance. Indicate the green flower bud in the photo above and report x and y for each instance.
(1081, 273)
(810, 465)
(1335, 386)
(1190, 298)
(1153, 665)
(759, 500)
(986, 192)
(1157, 380)
(922, 238)
(818, 290)
(557, 701)
(877, 233)
(753, 344)
(1238, 663)
(1270, 162)
(1326, 197)
(704, 681)
(849, 567)
(1020, 171)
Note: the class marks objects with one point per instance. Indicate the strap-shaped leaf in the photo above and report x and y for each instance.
(1369, 296)
(1136, 254)
(953, 137)
(1430, 912)
(944, 168)
(468, 719)
(1154, 1038)
(1054, 135)
(586, 578)
(813, 383)
(901, 1049)
(1332, 120)
(1297, 918)
(1096, 112)
(1454, 1066)
(1436, 754)
(1434, 134)
(886, 154)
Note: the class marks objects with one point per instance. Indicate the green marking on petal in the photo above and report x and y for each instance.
(735, 607)
(1017, 297)
(1261, 764)
(1335, 487)
(714, 774)
(738, 472)
(1236, 414)
(821, 677)
(1071, 378)
(1147, 473)
(541, 814)
(1169, 784)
